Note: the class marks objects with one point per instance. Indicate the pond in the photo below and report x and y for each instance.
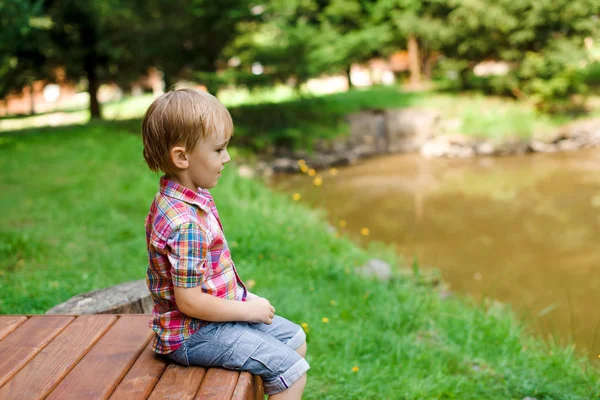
(524, 230)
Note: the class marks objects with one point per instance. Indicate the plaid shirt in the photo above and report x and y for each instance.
(186, 248)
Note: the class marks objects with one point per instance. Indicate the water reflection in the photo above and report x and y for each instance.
(522, 230)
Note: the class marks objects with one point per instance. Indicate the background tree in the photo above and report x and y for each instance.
(23, 36)
(93, 40)
(415, 25)
(188, 36)
(350, 34)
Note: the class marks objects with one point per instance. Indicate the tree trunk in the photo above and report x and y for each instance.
(464, 78)
(348, 75)
(89, 39)
(414, 63)
(93, 84)
(427, 63)
(212, 86)
(32, 99)
(168, 80)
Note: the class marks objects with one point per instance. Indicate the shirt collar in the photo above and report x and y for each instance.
(202, 197)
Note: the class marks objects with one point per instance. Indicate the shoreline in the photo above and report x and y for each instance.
(348, 150)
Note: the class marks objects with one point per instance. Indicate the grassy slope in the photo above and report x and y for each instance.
(74, 200)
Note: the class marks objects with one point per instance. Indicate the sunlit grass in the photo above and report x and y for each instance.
(74, 201)
(278, 117)
(489, 117)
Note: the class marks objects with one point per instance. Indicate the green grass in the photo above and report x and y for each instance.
(74, 201)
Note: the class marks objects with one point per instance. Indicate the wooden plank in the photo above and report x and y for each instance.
(26, 341)
(178, 382)
(51, 365)
(244, 389)
(259, 390)
(218, 384)
(103, 367)
(10, 323)
(142, 377)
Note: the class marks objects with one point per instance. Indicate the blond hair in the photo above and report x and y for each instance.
(181, 118)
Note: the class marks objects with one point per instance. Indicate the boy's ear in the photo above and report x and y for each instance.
(179, 157)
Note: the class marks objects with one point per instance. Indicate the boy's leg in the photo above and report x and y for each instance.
(240, 346)
(285, 331)
(294, 392)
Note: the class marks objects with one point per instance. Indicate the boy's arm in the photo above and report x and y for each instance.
(188, 248)
(252, 296)
(197, 304)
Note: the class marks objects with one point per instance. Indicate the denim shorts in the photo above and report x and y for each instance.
(264, 350)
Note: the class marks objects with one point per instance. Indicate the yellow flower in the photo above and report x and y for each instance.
(355, 369)
(342, 223)
(301, 162)
(332, 302)
(325, 320)
(251, 283)
(318, 181)
(304, 168)
(333, 171)
(312, 172)
(296, 196)
(364, 231)
(304, 326)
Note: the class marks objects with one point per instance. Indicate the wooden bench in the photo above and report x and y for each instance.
(103, 356)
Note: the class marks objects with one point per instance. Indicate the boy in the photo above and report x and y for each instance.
(203, 314)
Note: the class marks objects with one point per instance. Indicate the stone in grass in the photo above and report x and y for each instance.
(376, 268)
(125, 298)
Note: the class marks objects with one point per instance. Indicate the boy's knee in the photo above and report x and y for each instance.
(302, 350)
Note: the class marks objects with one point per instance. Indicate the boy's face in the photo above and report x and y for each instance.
(207, 160)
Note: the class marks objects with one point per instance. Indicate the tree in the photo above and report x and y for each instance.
(417, 25)
(22, 38)
(351, 35)
(94, 40)
(300, 39)
(185, 37)
(285, 41)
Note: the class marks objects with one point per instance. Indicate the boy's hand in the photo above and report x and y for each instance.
(260, 310)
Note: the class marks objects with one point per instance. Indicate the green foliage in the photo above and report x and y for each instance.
(591, 75)
(22, 40)
(77, 225)
(117, 40)
(188, 36)
(555, 79)
(299, 40)
(553, 76)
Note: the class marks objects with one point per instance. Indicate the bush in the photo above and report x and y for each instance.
(555, 78)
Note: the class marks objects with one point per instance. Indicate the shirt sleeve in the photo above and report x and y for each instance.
(187, 249)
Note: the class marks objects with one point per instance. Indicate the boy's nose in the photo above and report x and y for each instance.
(227, 157)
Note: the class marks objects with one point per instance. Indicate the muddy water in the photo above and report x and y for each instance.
(523, 230)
